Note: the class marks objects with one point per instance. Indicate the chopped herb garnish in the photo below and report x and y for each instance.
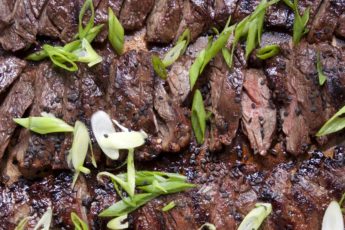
(22, 224)
(76, 51)
(172, 55)
(116, 32)
(207, 226)
(118, 223)
(169, 206)
(44, 125)
(321, 75)
(334, 124)
(102, 125)
(198, 117)
(87, 54)
(79, 224)
(268, 52)
(45, 221)
(61, 58)
(300, 22)
(208, 53)
(255, 217)
(83, 31)
(77, 154)
(333, 217)
(131, 172)
(159, 67)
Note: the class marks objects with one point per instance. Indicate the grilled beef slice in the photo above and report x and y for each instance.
(226, 89)
(10, 70)
(16, 103)
(164, 20)
(258, 111)
(134, 12)
(18, 25)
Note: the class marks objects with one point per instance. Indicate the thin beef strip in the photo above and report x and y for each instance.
(305, 106)
(16, 103)
(258, 111)
(134, 12)
(35, 152)
(325, 21)
(10, 69)
(18, 25)
(226, 89)
(164, 21)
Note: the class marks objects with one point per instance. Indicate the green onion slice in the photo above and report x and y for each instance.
(255, 217)
(333, 217)
(83, 31)
(208, 226)
(169, 206)
(300, 22)
(173, 54)
(94, 31)
(37, 56)
(268, 52)
(22, 224)
(334, 124)
(116, 33)
(321, 75)
(77, 155)
(147, 177)
(118, 223)
(87, 54)
(123, 140)
(131, 172)
(79, 224)
(102, 125)
(166, 187)
(198, 117)
(194, 70)
(44, 125)
(45, 221)
(121, 207)
(159, 67)
(60, 57)
(118, 180)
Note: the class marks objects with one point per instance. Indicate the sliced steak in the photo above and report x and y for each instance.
(173, 125)
(10, 69)
(18, 25)
(134, 12)
(164, 21)
(35, 152)
(325, 21)
(258, 111)
(226, 89)
(16, 103)
(64, 16)
(130, 96)
(191, 19)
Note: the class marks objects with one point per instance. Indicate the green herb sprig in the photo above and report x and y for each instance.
(208, 53)
(171, 56)
(79, 50)
(256, 216)
(334, 124)
(169, 206)
(116, 33)
(198, 117)
(300, 22)
(79, 224)
(321, 75)
(268, 52)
